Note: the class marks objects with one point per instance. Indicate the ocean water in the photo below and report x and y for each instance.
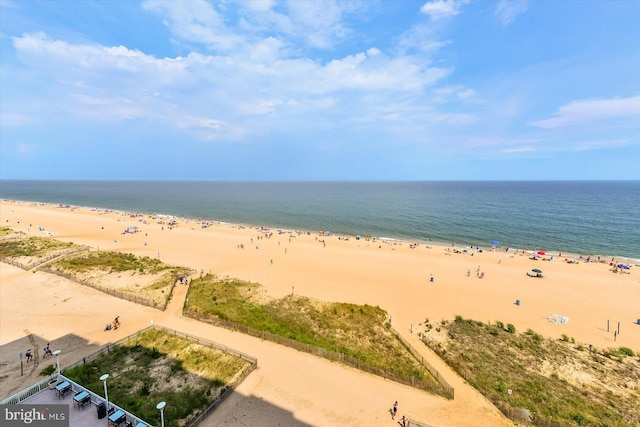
(593, 217)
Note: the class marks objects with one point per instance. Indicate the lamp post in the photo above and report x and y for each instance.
(103, 378)
(161, 406)
(57, 355)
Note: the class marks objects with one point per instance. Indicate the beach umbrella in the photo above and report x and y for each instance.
(495, 243)
(626, 267)
(541, 253)
(537, 270)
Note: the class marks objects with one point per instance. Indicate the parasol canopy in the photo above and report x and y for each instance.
(537, 270)
(495, 242)
(541, 253)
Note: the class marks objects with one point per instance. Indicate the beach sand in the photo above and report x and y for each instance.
(290, 387)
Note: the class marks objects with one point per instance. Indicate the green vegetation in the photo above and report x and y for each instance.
(158, 366)
(113, 261)
(5, 231)
(143, 277)
(357, 331)
(551, 378)
(49, 370)
(31, 247)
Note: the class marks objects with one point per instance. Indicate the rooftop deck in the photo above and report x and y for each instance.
(86, 416)
(79, 415)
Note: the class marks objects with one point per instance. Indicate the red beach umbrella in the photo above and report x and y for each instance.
(541, 253)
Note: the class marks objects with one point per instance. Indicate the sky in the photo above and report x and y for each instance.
(320, 90)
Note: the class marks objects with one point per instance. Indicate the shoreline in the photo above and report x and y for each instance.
(393, 276)
(387, 240)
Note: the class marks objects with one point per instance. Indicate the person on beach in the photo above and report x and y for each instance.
(468, 273)
(29, 355)
(47, 350)
(403, 421)
(394, 410)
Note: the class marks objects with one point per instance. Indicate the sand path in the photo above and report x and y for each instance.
(289, 388)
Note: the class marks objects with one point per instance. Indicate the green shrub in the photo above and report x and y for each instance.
(511, 329)
(626, 351)
(49, 370)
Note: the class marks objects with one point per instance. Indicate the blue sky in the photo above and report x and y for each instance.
(320, 90)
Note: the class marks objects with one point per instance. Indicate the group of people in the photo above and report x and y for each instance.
(47, 352)
(394, 411)
(113, 325)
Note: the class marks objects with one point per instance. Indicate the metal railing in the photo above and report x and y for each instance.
(96, 398)
(25, 394)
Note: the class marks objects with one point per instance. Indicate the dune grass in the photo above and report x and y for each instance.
(143, 277)
(158, 366)
(113, 261)
(358, 331)
(5, 231)
(554, 379)
(31, 247)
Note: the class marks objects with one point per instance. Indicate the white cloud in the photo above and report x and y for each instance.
(259, 5)
(508, 10)
(219, 96)
(11, 120)
(516, 150)
(318, 23)
(438, 9)
(24, 149)
(599, 144)
(582, 111)
(196, 21)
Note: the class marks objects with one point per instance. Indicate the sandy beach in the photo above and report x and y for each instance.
(291, 388)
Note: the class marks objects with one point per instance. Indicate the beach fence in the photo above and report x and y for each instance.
(119, 294)
(412, 381)
(40, 261)
(226, 390)
(448, 388)
(523, 415)
(414, 423)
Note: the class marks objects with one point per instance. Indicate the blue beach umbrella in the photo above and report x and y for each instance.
(495, 243)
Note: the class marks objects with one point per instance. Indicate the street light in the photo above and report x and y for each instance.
(57, 355)
(161, 406)
(103, 378)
